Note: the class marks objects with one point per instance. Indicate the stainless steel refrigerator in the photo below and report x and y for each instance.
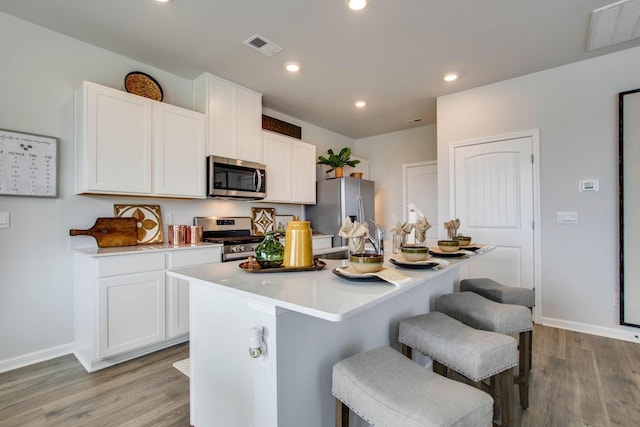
(337, 199)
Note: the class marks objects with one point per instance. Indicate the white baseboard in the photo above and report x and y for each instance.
(35, 357)
(630, 334)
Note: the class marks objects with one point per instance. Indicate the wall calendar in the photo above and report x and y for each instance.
(28, 164)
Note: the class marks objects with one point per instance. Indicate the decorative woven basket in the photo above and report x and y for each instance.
(143, 84)
(275, 125)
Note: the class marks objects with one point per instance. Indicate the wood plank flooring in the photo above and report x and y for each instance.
(576, 380)
(147, 391)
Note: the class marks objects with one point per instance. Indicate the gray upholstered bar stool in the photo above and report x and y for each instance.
(498, 292)
(472, 353)
(481, 313)
(388, 390)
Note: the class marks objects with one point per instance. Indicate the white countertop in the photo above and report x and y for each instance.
(320, 294)
(162, 247)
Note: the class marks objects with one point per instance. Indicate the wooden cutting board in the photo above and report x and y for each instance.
(111, 232)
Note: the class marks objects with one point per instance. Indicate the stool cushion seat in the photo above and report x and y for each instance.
(480, 313)
(474, 353)
(498, 292)
(388, 390)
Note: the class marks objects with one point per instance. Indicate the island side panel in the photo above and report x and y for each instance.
(221, 381)
(307, 348)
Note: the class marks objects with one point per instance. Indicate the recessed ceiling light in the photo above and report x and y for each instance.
(292, 67)
(356, 4)
(163, 1)
(360, 104)
(450, 77)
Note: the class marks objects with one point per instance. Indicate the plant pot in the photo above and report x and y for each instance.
(339, 171)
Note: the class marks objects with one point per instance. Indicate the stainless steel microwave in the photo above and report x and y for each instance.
(235, 179)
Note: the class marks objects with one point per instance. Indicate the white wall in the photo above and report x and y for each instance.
(39, 72)
(387, 153)
(575, 109)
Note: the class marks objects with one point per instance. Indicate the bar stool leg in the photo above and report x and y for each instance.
(342, 414)
(524, 366)
(440, 369)
(506, 398)
(407, 351)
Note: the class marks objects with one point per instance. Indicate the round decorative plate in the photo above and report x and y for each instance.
(143, 84)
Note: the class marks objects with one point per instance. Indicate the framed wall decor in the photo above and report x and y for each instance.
(28, 164)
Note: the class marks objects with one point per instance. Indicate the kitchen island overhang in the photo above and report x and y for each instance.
(310, 321)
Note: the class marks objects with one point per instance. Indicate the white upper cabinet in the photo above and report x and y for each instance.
(290, 169)
(130, 145)
(304, 173)
(234, 118)
(113, 141)
(179, 151)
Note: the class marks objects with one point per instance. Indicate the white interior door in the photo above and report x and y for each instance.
(421, 189)
(493, 185)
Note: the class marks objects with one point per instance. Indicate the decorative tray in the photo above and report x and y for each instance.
(252, 266)
(419, 264)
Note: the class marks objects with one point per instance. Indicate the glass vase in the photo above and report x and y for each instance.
(398, 241)
(270, 252)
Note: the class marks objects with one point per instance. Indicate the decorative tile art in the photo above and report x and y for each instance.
(263, 220)
(149, 221)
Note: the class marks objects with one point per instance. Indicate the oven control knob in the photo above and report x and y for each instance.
(234, 249)
(241, 248)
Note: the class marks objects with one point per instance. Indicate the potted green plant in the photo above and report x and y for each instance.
(338, 161)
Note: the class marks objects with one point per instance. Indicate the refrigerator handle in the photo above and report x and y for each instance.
(361, 219)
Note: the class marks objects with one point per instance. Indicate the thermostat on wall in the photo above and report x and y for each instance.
(589, 185)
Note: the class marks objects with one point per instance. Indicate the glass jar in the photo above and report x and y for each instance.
(270, 252)
(398, 242)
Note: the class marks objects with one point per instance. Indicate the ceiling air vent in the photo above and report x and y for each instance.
(615, 23)
(262, 45)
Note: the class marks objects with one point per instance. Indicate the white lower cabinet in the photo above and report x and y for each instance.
(131, 312)
(177, 322)
(126, 305)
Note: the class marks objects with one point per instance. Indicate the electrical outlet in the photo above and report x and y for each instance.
(168, 218)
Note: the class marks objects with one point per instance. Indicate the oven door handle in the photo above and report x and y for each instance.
(258, 177)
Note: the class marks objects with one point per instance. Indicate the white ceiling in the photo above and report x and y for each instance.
(393, 53)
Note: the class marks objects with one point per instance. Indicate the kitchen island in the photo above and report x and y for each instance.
(310, 321)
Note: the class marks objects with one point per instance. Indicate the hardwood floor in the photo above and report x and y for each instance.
(147, 391)
(576, 380)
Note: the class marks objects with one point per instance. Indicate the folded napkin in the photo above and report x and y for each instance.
(390, 275)
(355, 233)
(421, 226)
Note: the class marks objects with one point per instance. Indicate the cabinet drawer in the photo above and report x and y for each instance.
(193, 257)
(113, 266)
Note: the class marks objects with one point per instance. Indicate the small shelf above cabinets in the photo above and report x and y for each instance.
(234, 118)
(291, 169)
(129, 145)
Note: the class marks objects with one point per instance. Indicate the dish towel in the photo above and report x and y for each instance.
(390, 275)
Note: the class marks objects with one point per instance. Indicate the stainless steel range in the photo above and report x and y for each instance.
(234, 233)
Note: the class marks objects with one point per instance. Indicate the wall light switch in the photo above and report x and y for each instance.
(589, 185)
(566, 217)
(4, 219)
